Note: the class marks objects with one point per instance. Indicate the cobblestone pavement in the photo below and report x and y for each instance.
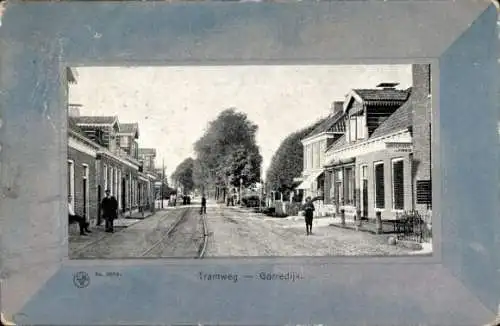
(130, 242)
(185, 240)
(236, 232)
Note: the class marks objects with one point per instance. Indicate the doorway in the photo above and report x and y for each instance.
(364, 191)
(124, 193)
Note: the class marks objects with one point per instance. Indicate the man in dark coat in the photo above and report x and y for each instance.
(203, 205)
(308, 214)
(109, 206)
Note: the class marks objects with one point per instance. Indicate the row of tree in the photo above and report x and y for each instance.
(227, 154)
(227, 157)
(287, 162)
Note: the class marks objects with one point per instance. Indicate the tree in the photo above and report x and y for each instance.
(228, 152)
(183, 175)
(288, 160)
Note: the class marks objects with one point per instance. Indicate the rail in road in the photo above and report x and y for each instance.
(183, 227)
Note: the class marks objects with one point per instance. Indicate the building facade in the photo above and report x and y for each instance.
(382, 163)
(313, 179)
(82, 176)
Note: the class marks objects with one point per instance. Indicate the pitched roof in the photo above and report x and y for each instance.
(147, 151)
(400, 119)
(338, 143)
(377, 95)
(328, 125)
(129, 127)
(96, 120)
(72, 125)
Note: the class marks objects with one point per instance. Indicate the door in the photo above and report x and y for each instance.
(85, 199)
(364, 191)
(365, 198)
(85, 186)
(124, 198)
(99, 198)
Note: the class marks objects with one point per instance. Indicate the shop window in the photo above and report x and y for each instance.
(349, 186)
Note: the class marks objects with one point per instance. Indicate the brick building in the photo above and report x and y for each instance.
(382, 163)
(82, 174)
(104, 154)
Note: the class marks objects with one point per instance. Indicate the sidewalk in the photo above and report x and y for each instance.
(366, 226)
(78, 242)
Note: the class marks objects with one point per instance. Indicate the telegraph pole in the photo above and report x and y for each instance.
(162, 180)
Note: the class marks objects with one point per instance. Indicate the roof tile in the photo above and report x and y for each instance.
(382, 94)
(328, 125)
(95, 119)
(129, 127)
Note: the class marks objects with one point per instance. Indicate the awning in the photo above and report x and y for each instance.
(306, 184)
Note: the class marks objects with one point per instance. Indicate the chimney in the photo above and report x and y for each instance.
(387, 85)
(337, 106)
(421, 124)
(74, 110)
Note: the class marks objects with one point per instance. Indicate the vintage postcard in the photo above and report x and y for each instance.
(240, 161)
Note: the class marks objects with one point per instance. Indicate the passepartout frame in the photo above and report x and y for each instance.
(458, 285)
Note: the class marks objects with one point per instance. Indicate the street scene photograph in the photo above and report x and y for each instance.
(249, 161)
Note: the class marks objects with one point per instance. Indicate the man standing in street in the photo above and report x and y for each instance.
(308, 214)
(109, 207)
(203, 205)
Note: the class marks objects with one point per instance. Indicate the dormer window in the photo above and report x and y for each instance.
(124, 142)
(355, 127)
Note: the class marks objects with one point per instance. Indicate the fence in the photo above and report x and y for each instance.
(412, 226)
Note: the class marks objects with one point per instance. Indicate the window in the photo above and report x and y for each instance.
(379, 186)
(105, 177)
(86, 191)
(309, 156)
(352, 128)
(71, 181)
(124, 141)
(304, 159)
(315, 149)
(360, 130)
(349, 186)
(339, 188)
(398, 200)
(322, 148)
(364, 172)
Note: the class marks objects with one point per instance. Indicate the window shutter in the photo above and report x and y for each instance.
(398, 184)
(379, 186)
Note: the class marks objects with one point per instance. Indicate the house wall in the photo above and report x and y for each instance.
(421, 102)
(79, 159)
(386, 157)
(116, 175)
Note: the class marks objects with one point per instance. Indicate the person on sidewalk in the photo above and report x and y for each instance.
(72, 218)
(203, 205)
(308, 215)
(109, 207)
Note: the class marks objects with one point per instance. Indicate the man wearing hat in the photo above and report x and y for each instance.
(109, 207)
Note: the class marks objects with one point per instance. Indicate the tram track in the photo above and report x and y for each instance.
(164, 235)
(185, 238)
(203, 247)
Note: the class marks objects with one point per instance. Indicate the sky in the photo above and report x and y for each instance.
(173, 105)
